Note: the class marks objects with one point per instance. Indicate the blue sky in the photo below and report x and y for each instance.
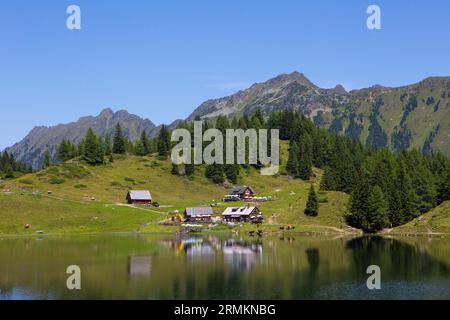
(161, 59)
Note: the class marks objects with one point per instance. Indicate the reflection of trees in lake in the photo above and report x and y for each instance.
(312, 280)
(396, 259)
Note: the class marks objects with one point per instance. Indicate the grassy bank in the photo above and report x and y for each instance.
(437, 222)
(74, 198)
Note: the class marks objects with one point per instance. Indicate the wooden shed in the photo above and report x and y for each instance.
(139, 197)
(242, 214)
(203, 215)
(244, 193)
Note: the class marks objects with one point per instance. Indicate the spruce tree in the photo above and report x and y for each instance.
(292, 163)
(376, 217)
(139, 149)
(119, 143)
(328, 183)
(164, 144)
(406, 196)
(145, 143)
(8, 171)
(93, 149)
(231, 172)
(312, 206)
(108, 147)
(444, 186)
(305, 158)
(358, 205)
(215, 173)
(64, 151)
(47, 160)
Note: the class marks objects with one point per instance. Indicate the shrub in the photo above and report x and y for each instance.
(80, 186)
(323, 200)
(26, 181)
(116, 184)
(57, 181)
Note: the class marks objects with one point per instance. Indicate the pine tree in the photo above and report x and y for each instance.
(328, 183)
(231, 172)
(108, 147)
(145, 143)
(47, 160)
(139, 149)
(406, 196)
(292, 163)
(164, 144)
(305, 158)
(376, 217)
(119, 143)
(258, 118)
(65, 151)
(8, 171)
(222, 124)
(444, 186)
(215, 173)
(312, 206)
(93, 149)
(358, 206)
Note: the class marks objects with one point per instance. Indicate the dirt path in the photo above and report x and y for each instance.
(138, 208)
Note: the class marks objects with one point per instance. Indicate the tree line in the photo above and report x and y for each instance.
(96, 150)
(387, 189)
(8, 166)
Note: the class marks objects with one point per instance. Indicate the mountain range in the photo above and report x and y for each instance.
(32, 148)
(413, 116)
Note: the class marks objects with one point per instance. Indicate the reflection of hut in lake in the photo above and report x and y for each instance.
(241, 255)
(198, 249)
(139, 266)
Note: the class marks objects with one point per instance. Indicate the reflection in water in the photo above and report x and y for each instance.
(139, 266)
(241, 255)
(215, 267)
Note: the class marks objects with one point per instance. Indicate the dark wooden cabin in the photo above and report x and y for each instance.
(141, 197)
(244, 193)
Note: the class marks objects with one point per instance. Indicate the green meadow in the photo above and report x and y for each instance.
(73, 198)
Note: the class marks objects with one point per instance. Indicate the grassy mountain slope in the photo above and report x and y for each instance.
(435, 221)
(92, 199)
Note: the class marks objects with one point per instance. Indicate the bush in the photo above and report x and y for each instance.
(26, 181)
(116, 184)
(57, 181)
(80, 186)
(323, 200)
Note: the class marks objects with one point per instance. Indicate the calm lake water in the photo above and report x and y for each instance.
(220, 267)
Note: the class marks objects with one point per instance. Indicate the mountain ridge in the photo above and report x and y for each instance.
(32, 147)
(409, 116)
